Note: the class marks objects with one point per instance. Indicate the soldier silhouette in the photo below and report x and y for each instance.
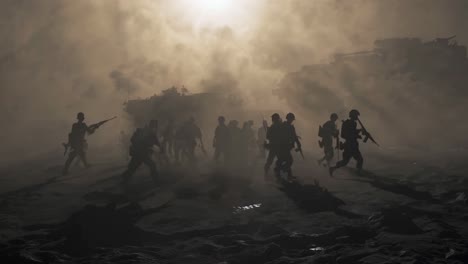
(247, 141)
(350, 133)
(261, 138)
(328, 132)
(221, 139)
(289, 138)
(273, 137)
(168, 136)
(141, 150)
(77, 142)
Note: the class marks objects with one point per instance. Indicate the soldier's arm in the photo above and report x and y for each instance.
(336, 132)
(89, 130)
(296, 138)
(268, 133)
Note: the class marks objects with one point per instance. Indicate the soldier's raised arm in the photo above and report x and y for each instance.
(296, 138)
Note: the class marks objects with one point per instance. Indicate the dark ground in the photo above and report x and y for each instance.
(409, 207)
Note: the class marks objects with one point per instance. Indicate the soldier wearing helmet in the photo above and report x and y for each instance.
(77, 142)
(350, 133)
(168, 135)
(273, 137)
(261, 138)
(221, 139)
(141, 150)
(188, 136)
(247, 142)
(327, 132)
(289, 139)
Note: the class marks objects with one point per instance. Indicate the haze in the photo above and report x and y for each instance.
(61, 57)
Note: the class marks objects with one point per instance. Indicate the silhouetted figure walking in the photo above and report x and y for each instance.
(233, 150)
(247, 142)
(289, 139)
(141, 150)
(77, 142)
(168, 136)
(350, 133)
(328, 132)
(193, 136)
(221, 139)
(273, 137)
(261, 138)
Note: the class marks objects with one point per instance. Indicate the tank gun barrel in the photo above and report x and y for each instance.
(342, 55)
(445, 39)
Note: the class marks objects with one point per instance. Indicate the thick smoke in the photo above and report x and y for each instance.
(61, 57)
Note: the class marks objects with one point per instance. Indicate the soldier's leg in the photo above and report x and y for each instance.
(359, 159)
(329, 155)
(132, 167)
(68, 162)
(82, 156)
(170, 148)
(288, 163)
(347, 155)
(152, 166)
(269, 161)
(191, 153)
(217, 153)
(281, 162)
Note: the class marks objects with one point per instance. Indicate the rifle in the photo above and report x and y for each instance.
(97, 125)
(299, 149)
(367, 134)
(91, 127)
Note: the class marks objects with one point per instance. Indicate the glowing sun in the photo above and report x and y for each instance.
(233, 13)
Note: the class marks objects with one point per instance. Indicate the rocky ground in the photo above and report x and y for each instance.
(407, 207)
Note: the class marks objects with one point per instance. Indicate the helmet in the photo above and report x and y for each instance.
(354, 113)
(153, 123)
(290, 116)
(221, 119)
(250, 122)
(334, 116)
(275, 116)
(80, 115)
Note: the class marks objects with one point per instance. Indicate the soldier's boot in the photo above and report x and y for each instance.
(277, 172)
(331, 170)
(291, 177)
(69, 161)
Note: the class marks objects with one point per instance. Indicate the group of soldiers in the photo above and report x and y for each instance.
(350, 133)
(232, 145)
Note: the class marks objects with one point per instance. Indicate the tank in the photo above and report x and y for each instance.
(398, 81)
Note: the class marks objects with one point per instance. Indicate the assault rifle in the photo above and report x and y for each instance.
(91, 128)
(367, 134)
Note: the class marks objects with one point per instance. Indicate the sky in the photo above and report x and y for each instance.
(61, 57)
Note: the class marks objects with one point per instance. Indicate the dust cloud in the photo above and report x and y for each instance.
(61, 57)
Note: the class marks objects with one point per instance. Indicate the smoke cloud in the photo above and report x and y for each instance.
(58, 58)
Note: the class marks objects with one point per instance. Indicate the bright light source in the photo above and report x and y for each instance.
(213, 5)
(207, 13)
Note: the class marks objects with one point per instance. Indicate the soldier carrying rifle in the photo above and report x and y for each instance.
(351, 134)
(77, 141)
(327, 132)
